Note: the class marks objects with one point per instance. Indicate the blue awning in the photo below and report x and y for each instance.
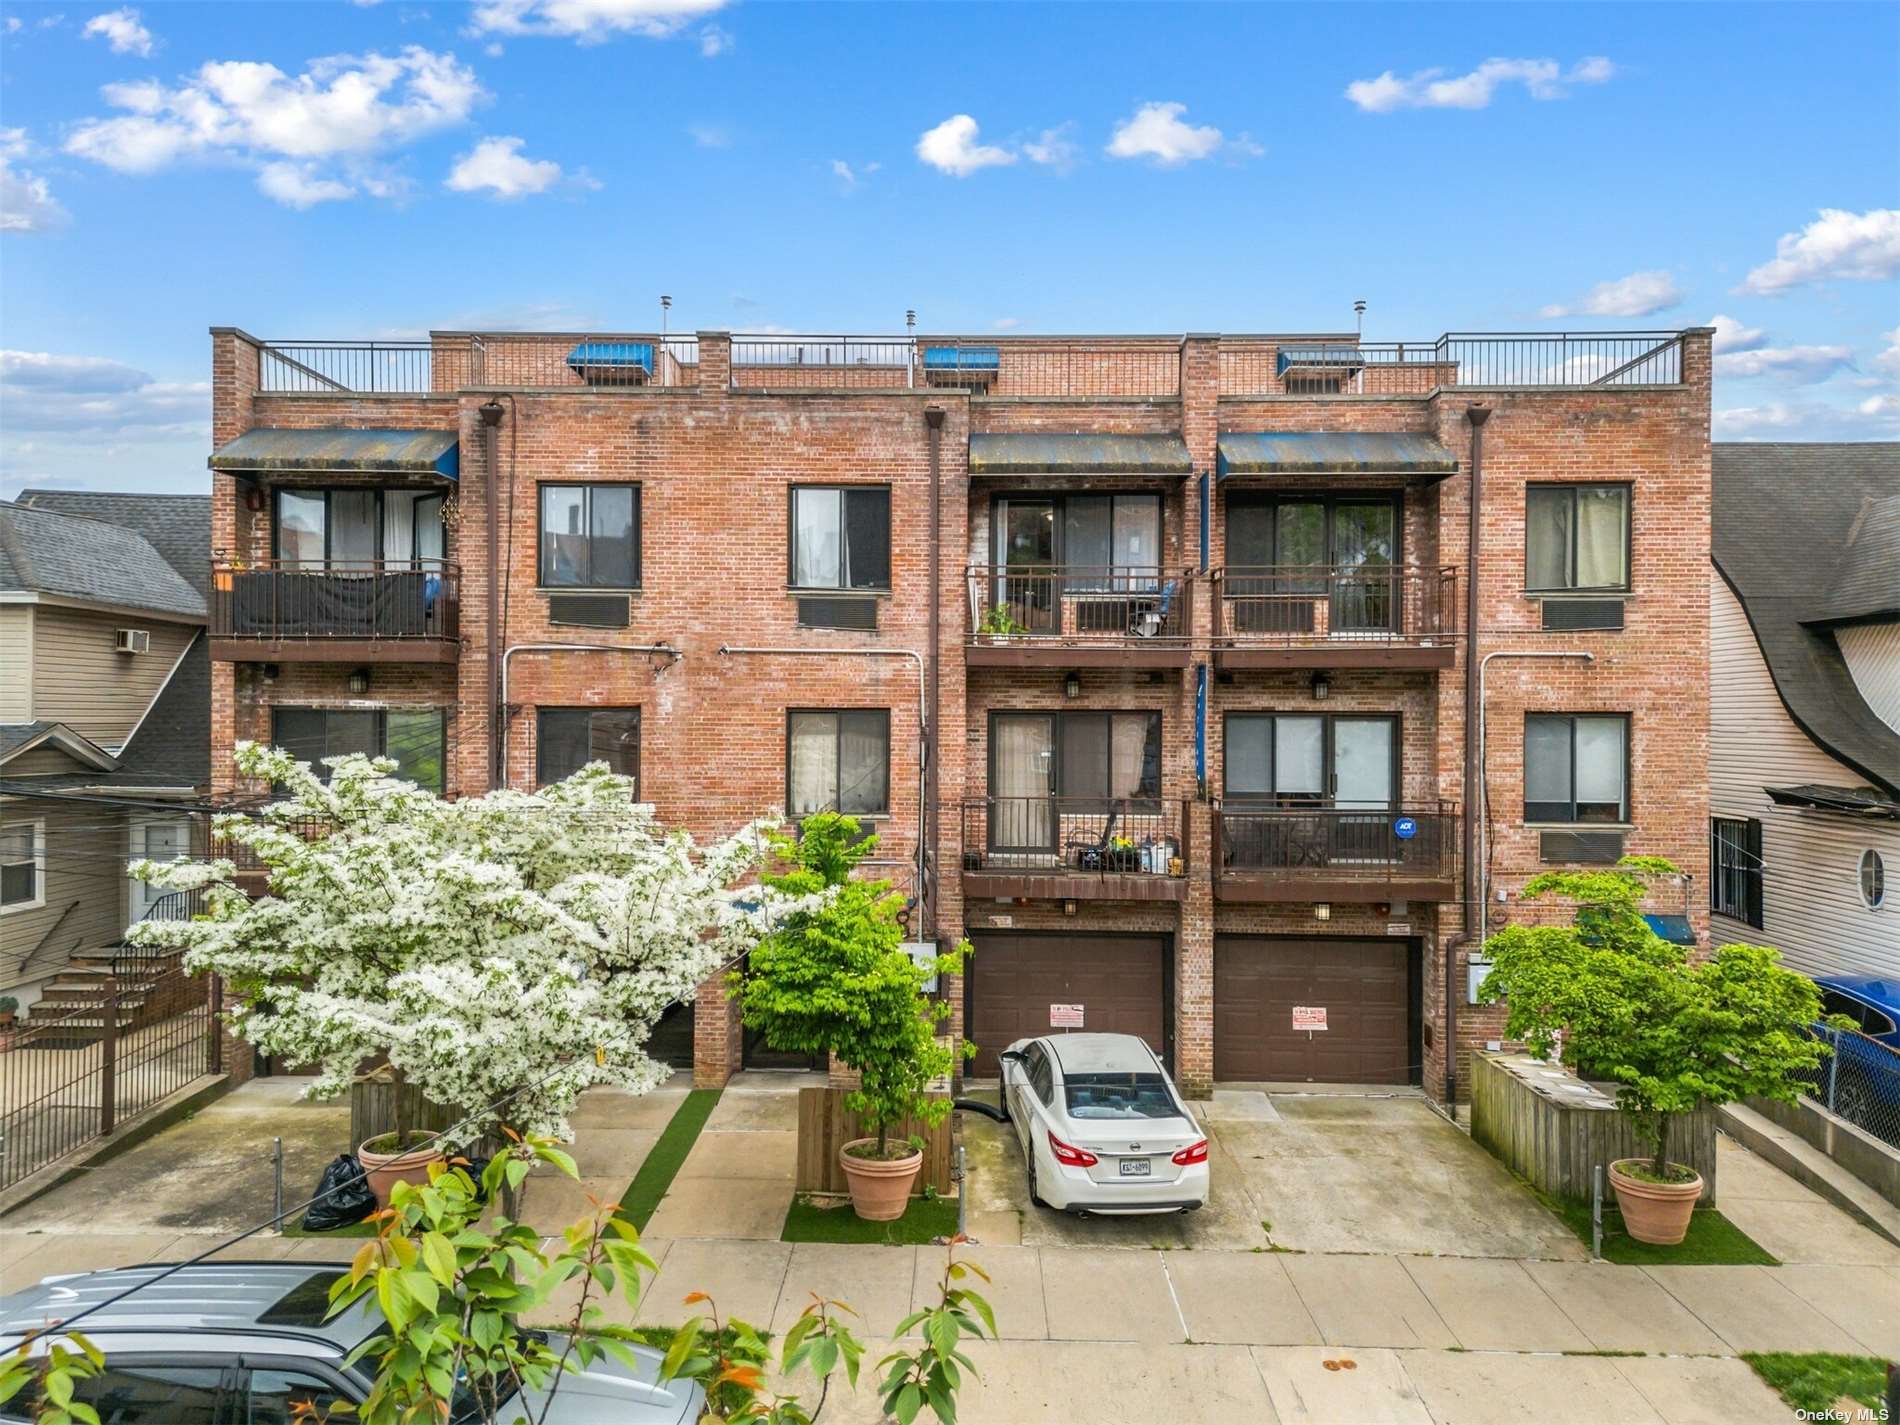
(1271, 452)
(368, 452)
(612, 356)
(1673, 928)
(1320, 358)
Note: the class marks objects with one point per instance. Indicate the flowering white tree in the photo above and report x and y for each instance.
(513, 942)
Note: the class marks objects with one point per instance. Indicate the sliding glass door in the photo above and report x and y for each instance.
(1300, 548)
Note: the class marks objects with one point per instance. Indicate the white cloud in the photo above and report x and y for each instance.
(714, 41)
(1803, 364)
(14, 24)
(1637, 295)
(710, 135)
(1837, 246)
(1880, 406)
(589, 21)
(496, 164)
(952, 147)
(121, 29)
(1157, 131)
(1731, 335)
(1003, 324)
(341, 107)
(1433, 89)
(27, 204)
(299, 185)
(1779, 420)
(1889, 360)
(44, 391)
(1053, 148)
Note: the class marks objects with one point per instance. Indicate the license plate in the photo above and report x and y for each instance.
(1137, 1168)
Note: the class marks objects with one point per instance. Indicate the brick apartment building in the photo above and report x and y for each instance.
(1160, 648)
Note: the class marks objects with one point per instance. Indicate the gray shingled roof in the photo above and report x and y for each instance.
(1868, 584)
(177, 526)
(48, 553)
(1783, 514)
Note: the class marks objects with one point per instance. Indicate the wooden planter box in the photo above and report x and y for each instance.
(825, 1125)
(373, 1111)
(1552, 1129)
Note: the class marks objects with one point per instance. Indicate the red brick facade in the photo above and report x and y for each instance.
(714, 462)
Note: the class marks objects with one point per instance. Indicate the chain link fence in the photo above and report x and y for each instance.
(1860, 1081)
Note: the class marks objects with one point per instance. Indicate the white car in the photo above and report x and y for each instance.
(1101, 1126)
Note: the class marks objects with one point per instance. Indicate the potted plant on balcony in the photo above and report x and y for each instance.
(1121, 854)
(1621, 1003)
(9, 1006)
(835, 979)
(1000, 625)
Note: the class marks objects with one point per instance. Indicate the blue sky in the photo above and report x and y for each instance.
(356, 170)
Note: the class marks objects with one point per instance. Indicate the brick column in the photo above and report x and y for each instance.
(715, 361)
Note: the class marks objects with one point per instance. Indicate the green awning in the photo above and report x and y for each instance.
(369, 452)
(1036, 453)
(1334, 453)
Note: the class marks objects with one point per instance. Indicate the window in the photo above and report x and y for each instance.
(1119, 1095)
(22, 865)
(841, 537)
(1104, 542)
(1576, 537)
(1873, 879)
(357, 527)
(1078, 756)
(590, 537)
(128, 1393)
(414, 738)
(1303, 760)
(1735, 868)
(1576, 768)
(1864, 1017)
(567, 739)
(839, 761)
(285, 1397)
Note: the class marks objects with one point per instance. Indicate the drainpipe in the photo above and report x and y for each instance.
(490, 412)
(665, 649)
(924, 723)
(933, 423)
(1477, 415)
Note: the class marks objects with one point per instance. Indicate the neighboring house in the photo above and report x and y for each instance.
(1804, 756)
(104, 722)
(1152, 649)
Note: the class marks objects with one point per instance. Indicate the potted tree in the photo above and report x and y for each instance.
(1001, 624)
(9, 1007)
(1621, 1003)
(834, 978)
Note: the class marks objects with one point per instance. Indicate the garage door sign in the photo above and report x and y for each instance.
(1065, 1016)
(1309, 1017)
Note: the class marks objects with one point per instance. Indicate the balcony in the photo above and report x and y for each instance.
(1334, 616)
(1330, 853)
(1075, 848)
(1078, 616)
(363, 611)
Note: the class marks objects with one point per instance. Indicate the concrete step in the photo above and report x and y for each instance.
(1812, 1168)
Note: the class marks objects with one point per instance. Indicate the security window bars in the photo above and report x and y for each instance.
(1576, 537)
(841, 537)
(1735, 867)
(1576, 767)
(838, 761)
(590, 537)
(567, 739)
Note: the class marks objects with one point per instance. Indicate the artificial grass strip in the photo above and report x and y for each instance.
(642, 1197)
(923, 1222)
(1815, 1381)
(1712, 1240)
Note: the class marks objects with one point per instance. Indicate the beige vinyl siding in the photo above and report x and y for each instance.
(85, 894)
(16, 663)
(1812, 910)
(1872, 651)
(79, 680)
(45, 760)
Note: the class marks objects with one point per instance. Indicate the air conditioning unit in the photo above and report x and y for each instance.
(924, 952)
(133, 640)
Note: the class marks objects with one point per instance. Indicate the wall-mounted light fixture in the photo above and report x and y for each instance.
(1072, 685)
(1321, 687)
(359, 681)
(1068, 907)
(1322, 911)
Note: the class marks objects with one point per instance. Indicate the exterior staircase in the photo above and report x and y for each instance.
(73, 1007)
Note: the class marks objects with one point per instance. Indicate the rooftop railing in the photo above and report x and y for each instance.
(343, 367)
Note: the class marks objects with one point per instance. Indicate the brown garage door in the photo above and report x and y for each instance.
(1119, 980)
(1367, 988)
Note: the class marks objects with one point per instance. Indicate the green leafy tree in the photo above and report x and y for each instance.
(834, 979)
(57, 1377)
(1626, 1005)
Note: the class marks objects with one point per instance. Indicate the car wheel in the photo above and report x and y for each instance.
(1035, 1198)
(1854, 1100)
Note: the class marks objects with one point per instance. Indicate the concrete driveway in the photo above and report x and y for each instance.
(1368, 1171)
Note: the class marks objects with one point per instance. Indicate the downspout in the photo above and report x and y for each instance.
(924, 723)
(490, 412)
(928, 868)
(666, 649)
(1477, 415)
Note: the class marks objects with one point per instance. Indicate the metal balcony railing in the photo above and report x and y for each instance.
(371, 599)
(603, 360)
(1071, 605)
(1330, 842)
(1293, 605)
(379, 367)
(1267, 365)
(1105, 836)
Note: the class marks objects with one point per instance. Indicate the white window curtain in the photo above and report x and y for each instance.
(819, 518)
(399, 528)
(1601, 538)
(1600, 763)
(1547, 538)
(814, 762)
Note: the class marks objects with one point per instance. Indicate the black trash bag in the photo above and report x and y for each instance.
(477, 1165)
(342, 1197)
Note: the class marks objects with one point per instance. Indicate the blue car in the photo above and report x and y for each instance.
(1862, 1083)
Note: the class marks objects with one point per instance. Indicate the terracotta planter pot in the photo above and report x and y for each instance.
(880, 1189)
(385, 1170)
(1654, 1212)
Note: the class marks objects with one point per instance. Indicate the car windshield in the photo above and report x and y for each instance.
(1119, 1095)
